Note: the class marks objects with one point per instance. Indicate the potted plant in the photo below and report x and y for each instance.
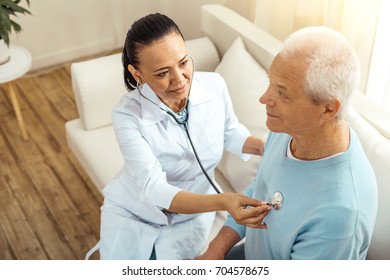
(8, 9)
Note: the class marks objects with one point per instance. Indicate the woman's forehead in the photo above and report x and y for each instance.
(169, 47)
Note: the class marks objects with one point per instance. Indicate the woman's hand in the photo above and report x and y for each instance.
(253, 145)
(246, 211)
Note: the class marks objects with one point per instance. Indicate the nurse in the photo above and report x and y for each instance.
(161, 205)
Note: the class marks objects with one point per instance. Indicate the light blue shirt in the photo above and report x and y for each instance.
(329, 206)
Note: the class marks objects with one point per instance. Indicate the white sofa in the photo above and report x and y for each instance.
(239, 51)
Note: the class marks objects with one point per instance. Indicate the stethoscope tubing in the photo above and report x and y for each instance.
(199, 162)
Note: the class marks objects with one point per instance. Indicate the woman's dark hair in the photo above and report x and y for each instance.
(143, 32)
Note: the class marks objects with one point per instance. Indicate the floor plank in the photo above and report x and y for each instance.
(49, 208)
(16, 227)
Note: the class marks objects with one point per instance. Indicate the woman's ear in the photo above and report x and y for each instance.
(135, 73)
(131, 69)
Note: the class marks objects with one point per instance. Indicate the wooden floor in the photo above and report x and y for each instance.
(49, 208)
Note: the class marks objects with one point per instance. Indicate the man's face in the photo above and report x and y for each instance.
(289, 109)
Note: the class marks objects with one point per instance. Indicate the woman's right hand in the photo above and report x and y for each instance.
(245, 210)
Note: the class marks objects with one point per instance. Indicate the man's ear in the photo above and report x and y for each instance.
(331, 108)
(134, 72)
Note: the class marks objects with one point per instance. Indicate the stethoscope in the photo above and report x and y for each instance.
(182, 120)
(276, 201)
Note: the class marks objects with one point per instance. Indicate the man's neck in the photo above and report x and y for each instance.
(326, 142)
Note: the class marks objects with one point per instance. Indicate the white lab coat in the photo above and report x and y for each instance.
(159, 162)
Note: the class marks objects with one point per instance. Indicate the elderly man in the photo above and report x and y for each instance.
(314, 167)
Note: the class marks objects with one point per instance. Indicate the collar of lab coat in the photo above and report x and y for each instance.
(152, 114)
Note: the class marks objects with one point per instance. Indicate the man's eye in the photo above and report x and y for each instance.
(282, 94)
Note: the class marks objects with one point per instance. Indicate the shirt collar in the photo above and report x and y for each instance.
(151, 113)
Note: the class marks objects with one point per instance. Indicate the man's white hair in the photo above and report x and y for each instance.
(333, 66)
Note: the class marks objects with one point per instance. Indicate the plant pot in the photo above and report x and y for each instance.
(4, 52)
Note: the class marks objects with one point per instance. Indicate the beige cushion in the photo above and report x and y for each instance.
(246, 82)
(97, 151)
(97, 86)
(204, 54)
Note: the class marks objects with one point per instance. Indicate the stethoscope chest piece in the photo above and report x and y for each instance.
(277, 200)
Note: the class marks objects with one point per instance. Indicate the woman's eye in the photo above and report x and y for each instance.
(184, 63)
(162, 74)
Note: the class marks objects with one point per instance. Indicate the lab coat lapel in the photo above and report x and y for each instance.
(176, 132)
(199, 94)
(152, 114)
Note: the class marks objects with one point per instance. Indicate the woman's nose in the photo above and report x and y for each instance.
(178, 76)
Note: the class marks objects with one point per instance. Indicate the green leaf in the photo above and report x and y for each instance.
(8, 9)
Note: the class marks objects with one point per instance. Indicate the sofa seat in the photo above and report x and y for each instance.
(97, 151)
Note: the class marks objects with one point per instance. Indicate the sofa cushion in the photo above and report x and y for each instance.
(97, 151)
(97, 86)
(246, 81)
(204, 53)
(377, 149)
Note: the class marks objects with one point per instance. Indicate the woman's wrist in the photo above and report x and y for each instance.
(225, 201)
(253, 145)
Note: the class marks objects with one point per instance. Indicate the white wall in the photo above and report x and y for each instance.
(64, 30)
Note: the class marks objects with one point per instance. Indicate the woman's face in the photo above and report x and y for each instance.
(167, 68)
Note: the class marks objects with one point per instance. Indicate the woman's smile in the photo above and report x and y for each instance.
(179, 90)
